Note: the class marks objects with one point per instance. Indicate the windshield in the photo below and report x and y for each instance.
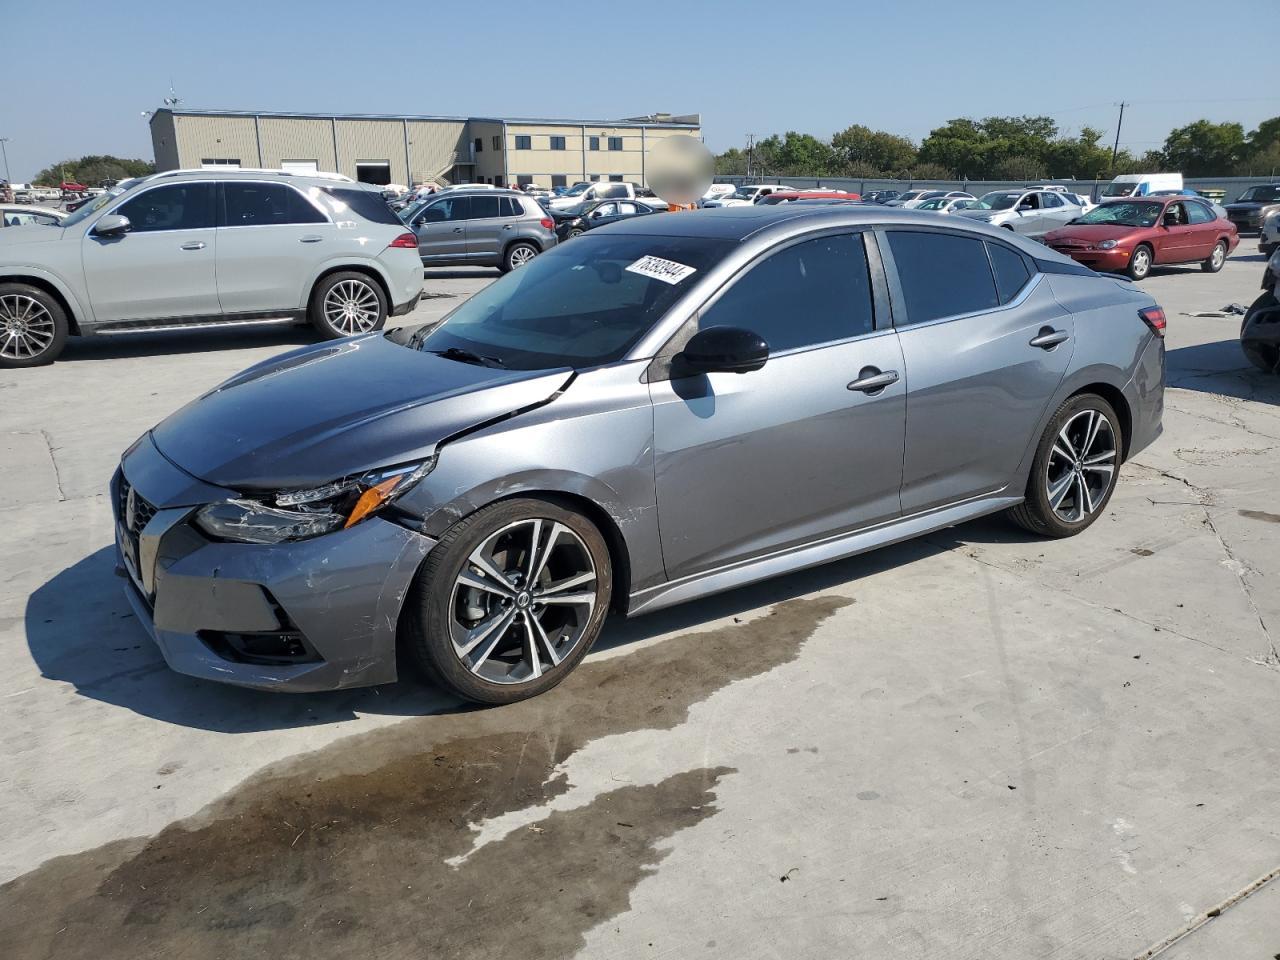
(996, 201)
(1134, 213)
(910, 195)
(92, 207)
(580, 304)
(934, 204)
(1119, 189)
(1260, 195)
(577, 190)
(744, 193)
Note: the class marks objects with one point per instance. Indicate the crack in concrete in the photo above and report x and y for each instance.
(1208, 916)
(57, 474)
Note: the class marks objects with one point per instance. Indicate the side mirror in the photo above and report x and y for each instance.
(727, 349)
(112, 225)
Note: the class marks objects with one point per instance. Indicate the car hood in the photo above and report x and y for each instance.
(1247, 204)
(336, 409)
(1093, 232)
(983, 214)
(29, 233)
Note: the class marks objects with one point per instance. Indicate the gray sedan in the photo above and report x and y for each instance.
(1032, 213)
(662, 409)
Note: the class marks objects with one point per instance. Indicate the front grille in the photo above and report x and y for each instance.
(136, 518)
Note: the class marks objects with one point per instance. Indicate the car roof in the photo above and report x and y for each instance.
(743, 223)
(285, 176)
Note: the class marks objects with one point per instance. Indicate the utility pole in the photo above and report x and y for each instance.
(5, 153)
(751, 139)
(1115, 151)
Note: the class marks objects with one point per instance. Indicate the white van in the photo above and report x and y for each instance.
(1141, 184)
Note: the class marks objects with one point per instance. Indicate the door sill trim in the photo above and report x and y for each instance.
(815, 553)
(169, 324)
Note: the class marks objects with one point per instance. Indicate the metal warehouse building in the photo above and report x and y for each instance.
(409, 150)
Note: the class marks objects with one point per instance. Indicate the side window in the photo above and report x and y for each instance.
(1199, 213)
(810, 293)
(443, 211)
(509, 207)
(595, 143)
(614, 192)
(627, 209)
(615, 143)
(604, 210)
(557, 143)
(523, 142)
(1029, 202)
(1175, 215)
(1051, 200)
(1010, 270)
(942, 274)
(178, 206)
(483, 208)
(266, 204)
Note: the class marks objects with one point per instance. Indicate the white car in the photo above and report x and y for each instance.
(913, 198)
(12, 215)
(717, 191)
(748, 194)
(1269, 235)
(946, 204)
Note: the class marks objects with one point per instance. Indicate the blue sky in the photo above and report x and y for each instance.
(747, 67)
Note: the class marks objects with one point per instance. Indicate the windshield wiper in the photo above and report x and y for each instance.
(468, 356)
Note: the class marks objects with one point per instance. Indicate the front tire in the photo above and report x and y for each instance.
(346, 304)
(1074, 471)
(509, 601)
(1139, 263)
(1216, 259)
(33, 326)
(517, 255)
(1264, 356)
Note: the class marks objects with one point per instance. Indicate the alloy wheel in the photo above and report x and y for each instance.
(1081, 466)
(1219, 257)
(1141, 262)
(26, 327)
(522, 255)
(523, 601)
(351, 307)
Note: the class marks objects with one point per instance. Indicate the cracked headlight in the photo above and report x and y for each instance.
(302, 514)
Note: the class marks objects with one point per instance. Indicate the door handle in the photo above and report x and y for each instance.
(193, 245)
(872, 380)
(310, 238)
(506, 226)
(457, 229)
(1048, 338)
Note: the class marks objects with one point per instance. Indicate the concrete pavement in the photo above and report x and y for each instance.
(975, 745)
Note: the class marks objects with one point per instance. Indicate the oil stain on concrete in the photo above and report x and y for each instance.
(342, 852)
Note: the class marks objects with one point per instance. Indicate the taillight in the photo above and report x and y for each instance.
(1153, 317)
(406, 241)
(547, 223)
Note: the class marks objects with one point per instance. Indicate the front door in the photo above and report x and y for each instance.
(1028, 222)
(163, 268)
(270, 241)
(977, 385)
(442, 230)
(1175, 237)
(748, 464)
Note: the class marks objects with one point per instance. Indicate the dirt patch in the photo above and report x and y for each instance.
(342, 852)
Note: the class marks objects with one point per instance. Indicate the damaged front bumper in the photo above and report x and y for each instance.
(317, 614)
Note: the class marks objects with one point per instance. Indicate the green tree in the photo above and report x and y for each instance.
(802, 154)
(1204, 148)
(1082, 156)
(1020, 167)
(732, 162)
(1266, 136)
(92, 170)
(928, 171)
(958, 147)
(859, 147)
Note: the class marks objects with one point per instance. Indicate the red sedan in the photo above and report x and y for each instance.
(1130, 236)
(786, 196)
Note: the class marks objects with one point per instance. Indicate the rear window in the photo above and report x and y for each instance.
(367, 203)
(942, 275)
(1010, 270)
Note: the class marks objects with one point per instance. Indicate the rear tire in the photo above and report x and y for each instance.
(346, 304)
(494, 619)
(33, 326)
(1075, 469)
(1216, 259)
(1267, 249)
(1264, 356)
(517, 255)
(1140, 263)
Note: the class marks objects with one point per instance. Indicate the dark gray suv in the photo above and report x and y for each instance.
(482, 228)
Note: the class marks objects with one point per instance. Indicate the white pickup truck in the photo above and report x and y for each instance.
(580, 194)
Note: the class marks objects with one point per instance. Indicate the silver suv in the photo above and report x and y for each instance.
(481, 228)
(207, 248)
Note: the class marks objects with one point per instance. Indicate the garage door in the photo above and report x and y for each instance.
(373, 171)
(299, 166)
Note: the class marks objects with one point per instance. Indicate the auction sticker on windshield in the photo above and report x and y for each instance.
(655, 268)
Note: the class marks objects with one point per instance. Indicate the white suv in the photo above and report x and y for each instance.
(207, 248)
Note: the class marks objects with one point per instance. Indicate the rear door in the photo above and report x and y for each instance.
(748, 464)
(164, 267)
(1054, 211)
(270, 238)
(442, 230)
(966, 311)
(1204, 228)
(484, 228)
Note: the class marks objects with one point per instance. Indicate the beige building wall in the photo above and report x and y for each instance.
(578, 161)
(374, 141)
(215, 138)
(434, 147)
(297, 138)
(490, 163)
